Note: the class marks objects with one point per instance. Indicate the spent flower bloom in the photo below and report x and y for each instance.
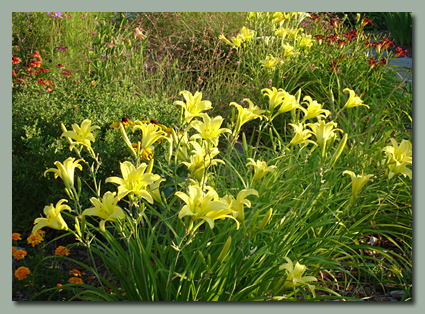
(353, 100)
(53, 218)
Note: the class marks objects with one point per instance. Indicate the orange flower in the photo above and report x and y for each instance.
(15, 60)
(14, 250)
(16, 236)
(22, 272)
(61, 250)
(49, 89)
(75, 280)
(36, 239)
(59, 285)
(75, 272)
(20, 254)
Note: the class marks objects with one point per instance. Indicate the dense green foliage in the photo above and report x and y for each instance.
(106, 66)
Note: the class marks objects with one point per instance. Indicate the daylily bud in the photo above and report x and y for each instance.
(338, 150)
(225, 250)
(265, 220)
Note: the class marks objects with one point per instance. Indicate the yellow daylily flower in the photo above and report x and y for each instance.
(179, 146)
(200, 159)
(289, 103)
(246, 114)
(154, 190)
(306, 41)
(107, 209)
(288, 50)
(295, 276)
(209, 130)
(281, 32)
(325, 134)
(270, 62)
(398, 158)
(301, 134)
(276, 97)
(66, 171)
(150, 134)
(260, 168)
(82, 134)
(357, 183)
(221, 37)
(134, 181)
(237, 41)
(353, 100)
(247, 34)
(314, 110)
(53, 218)
(205, 206)
(194, 105)
(237, 205)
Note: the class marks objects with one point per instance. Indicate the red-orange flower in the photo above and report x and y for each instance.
(75, 272)
(400, 52)
(22, 272)
(366, 21)
(372, 63)
(61, 251)
(36, 239)
(34, 64)
(20, 254)
(14, 250)
(49, 89)
(16, 236)
(67, 73)
(59, 65)
(319, 39)
(15, 60)
(314, 17)
(43, 70)
(75, 280)
(36, 55)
